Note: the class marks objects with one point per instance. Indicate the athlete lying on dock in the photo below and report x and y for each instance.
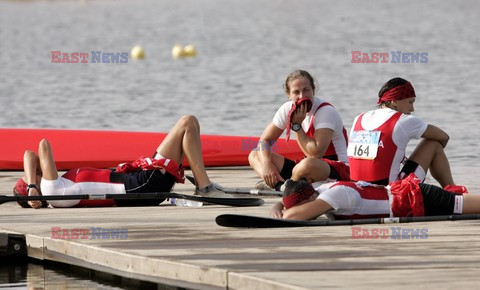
(350, 200)
(157, 174)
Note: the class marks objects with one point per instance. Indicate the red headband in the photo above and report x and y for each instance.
(404, 91)
(21, 187)
(299, 196)
(295, 105)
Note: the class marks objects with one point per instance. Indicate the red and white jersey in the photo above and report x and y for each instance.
(378, 141)
(351, 200)
(322, 115)
(82, 181)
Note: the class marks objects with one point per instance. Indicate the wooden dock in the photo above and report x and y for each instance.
(184, 247)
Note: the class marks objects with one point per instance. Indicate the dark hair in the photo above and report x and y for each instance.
(295, 75)
(296, 192)
(393, 83)
(22, 203)
(292, 187)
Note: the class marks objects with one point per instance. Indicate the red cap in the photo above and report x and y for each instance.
(302, 191)
(21, 187)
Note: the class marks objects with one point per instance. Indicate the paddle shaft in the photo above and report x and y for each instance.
(397, 220)
(149, 195)
(241, 190)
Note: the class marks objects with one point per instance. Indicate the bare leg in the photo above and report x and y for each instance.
(30, 167)
(471, 203)
(184, 138)
(312, 169)
(256, 164)
(430, 155)
(47, 163)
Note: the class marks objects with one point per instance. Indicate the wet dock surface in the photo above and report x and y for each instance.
(184, 247)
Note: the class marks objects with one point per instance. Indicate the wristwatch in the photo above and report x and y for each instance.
(32, 185)
(296, 127)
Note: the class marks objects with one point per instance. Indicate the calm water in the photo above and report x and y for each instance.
(245, 50)
(59, 276)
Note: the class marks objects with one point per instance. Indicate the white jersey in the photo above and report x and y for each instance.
(350, 203)
(407, 127)
(80, 181)
(325, 117)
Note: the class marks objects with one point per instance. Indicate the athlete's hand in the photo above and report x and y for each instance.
(299, 115)
(271, 174)
(277, 211)
(34, 203)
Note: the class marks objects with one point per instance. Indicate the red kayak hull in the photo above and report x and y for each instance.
(106, 149)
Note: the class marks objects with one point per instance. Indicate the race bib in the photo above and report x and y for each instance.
(363, 144)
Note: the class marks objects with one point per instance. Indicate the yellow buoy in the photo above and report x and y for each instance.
(137, 52)
(177, 51)
(189, 50)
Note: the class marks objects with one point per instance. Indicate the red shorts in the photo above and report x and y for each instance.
(342, 169)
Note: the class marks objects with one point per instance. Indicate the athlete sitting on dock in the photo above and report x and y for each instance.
(319, 131)
(353, 200)
(379, 138)
(157, 174)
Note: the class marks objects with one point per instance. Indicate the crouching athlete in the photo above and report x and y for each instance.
(157, 174)
(354, 200)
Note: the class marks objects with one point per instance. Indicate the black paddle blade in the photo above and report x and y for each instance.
(245, 221)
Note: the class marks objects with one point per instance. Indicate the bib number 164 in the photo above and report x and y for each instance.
(361, 150)
(363, 144)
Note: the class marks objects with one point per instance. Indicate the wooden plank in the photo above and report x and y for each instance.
(293, 258)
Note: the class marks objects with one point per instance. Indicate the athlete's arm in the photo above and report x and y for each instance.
(315, 147)
(434, 133)
(270, 172)
(311, 147)
(308, 210)
(269, 135)
(277, 210)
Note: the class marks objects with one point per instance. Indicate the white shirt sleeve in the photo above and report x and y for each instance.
(339, 197)
(328, 117)
(280, 118)
(408, 127)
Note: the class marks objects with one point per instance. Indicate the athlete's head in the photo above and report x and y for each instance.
(297, 192)
(299, 84)
(397, 94)
(20, 189)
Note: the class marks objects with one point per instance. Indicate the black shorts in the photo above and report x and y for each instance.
(436, 200)
(288, 166)
(144, 181)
